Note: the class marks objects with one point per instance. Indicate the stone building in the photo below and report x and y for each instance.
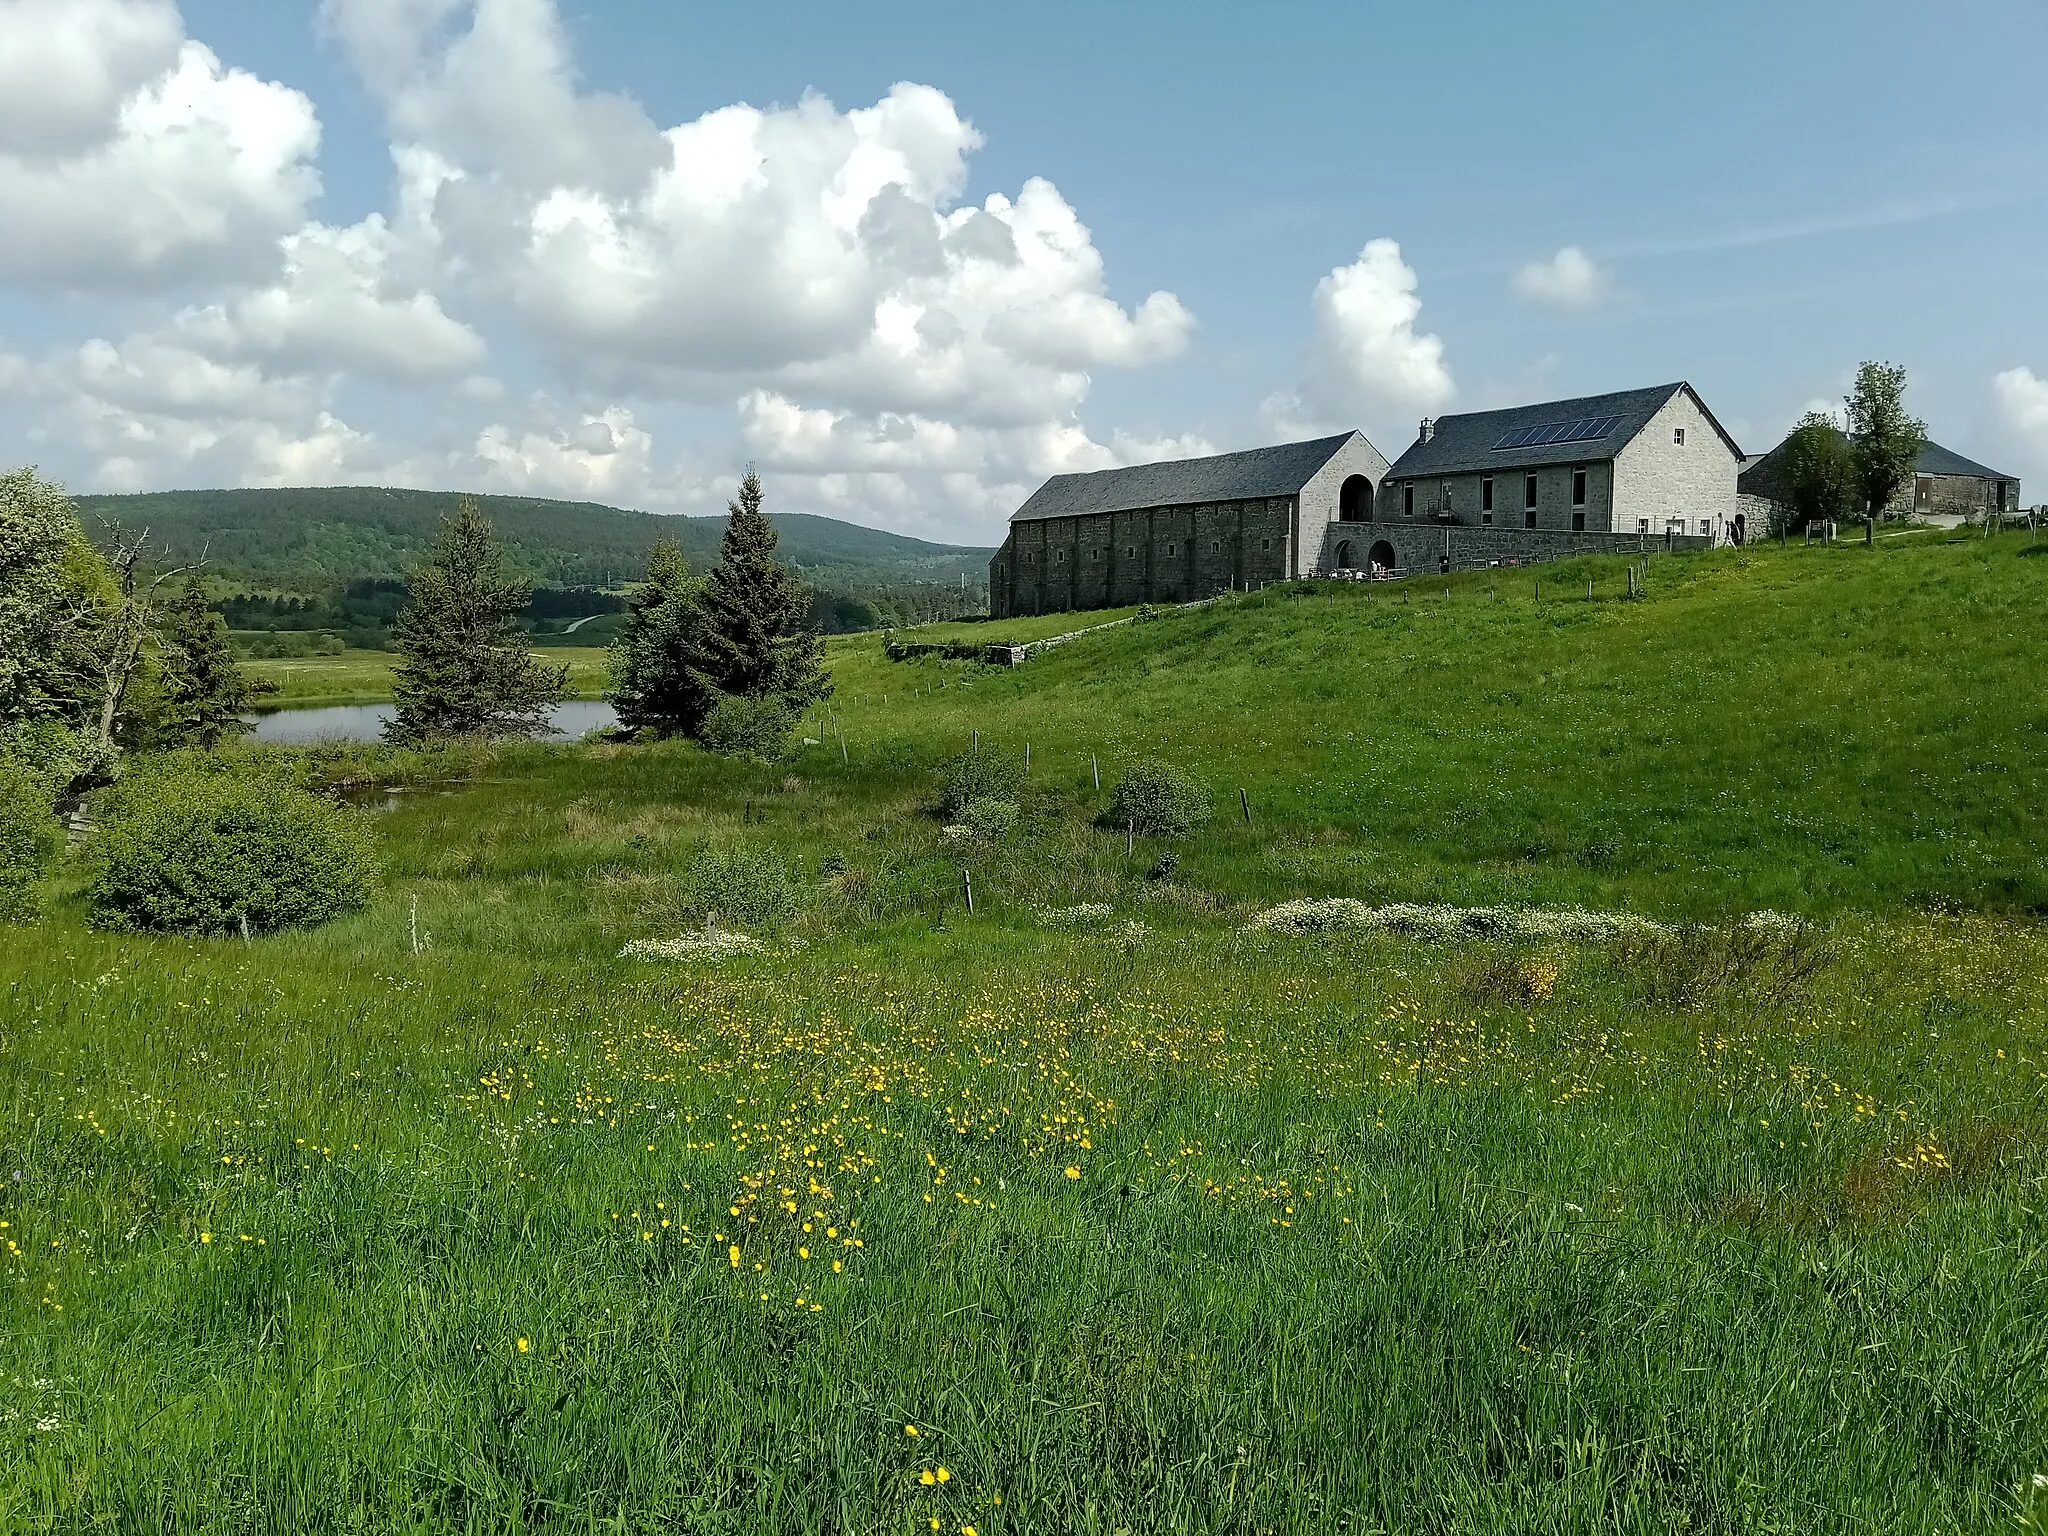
(1535, 482)
(1173, 532)
(1643, 468)
(1945, 485)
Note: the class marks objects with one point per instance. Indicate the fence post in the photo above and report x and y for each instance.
(1095, 763)
(1246, 801)
(967, 885)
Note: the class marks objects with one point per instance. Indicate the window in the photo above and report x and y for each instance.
(1408, 500)
(1706, 525)
(1678, 437)
(1486, 517)
(1264, 545)
(1215, 546)
(1578, 522)
(1642, 525)
(1130, 551)
(1059, 557)
(1529, 517)
(1579, 485)
(1529, 493)
(1169, 551)
(1486, 495)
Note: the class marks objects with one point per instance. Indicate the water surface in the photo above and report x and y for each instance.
(365, 722)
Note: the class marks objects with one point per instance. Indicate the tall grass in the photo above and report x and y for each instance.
(1163, 1224)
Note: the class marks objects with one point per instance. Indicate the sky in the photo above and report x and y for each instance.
(909, 259)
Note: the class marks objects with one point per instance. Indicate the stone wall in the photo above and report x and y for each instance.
(1658, 479)
(1463, 498)
(1155, 555)
(1420, 548)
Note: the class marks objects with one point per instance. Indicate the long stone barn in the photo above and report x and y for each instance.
(1645, 468)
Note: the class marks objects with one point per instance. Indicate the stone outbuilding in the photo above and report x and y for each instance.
(1946, 487)
(1189, 528)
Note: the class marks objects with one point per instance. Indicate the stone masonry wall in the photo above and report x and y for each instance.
(1157, 555)
(1420, 548)
(1658, 479)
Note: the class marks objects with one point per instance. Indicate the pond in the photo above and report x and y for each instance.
(365, 722)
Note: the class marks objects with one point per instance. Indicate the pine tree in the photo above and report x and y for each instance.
(468, 670)
(652, 688)
(204, 689)
(752, 638)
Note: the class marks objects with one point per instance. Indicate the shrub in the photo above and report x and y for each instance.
(743, 727)
(988, 819)
(1450, 925)
(1158, 800)
(739, 885)
(185, 849)
(976, 776)
(29, 837)
(1766, 957)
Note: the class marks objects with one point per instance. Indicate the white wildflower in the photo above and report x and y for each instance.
(712, 944)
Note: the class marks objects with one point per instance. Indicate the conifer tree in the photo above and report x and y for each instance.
(468, 670)
(651, 683)
(204, 689)
(752, 638)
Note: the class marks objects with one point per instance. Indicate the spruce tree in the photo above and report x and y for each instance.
(652, 688)
(752, 638)
(204, 689)
(468, 670)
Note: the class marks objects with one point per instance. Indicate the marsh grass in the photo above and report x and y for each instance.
(1152, 1221)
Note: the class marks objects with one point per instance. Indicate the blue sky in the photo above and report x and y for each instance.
(1249, 222)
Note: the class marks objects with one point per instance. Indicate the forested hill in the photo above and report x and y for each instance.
(310, 539)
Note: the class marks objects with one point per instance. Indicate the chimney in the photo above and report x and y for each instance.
(1428, 429)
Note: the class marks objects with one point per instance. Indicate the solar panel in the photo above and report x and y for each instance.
(1587, 429)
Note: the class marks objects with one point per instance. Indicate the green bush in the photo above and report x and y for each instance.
(740, 886)
(29, 837)
(743, 727)
(1158, 800)
(187, 848)
(989, 818)
(976, 776)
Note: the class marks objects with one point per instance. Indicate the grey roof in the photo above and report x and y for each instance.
(1937, 460)
(1278, 471)
(1461, 444)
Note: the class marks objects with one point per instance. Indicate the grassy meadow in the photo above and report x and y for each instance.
(364, 677)
(1104, 1208)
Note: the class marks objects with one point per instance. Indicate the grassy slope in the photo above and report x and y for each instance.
(1174, 1229)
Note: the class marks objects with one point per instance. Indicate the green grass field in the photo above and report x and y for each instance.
(364, 677)
(1104, 1208)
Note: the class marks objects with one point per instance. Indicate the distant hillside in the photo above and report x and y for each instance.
(308, 540)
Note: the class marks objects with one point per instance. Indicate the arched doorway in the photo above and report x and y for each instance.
(1741, 529)
(1382, 555)
(1354, 500)
(1344, 555)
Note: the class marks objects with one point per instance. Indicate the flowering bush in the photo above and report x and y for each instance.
(712, 944)
(976, 776)
(1086, 915)
(986, 820)
(1449, 925)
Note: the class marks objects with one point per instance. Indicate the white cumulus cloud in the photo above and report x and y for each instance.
(1569, 280)
(129, 157)
(1366, 360)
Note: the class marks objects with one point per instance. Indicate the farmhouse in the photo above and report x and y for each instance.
(1535, 482)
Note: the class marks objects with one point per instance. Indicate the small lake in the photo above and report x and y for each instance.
(365, 722)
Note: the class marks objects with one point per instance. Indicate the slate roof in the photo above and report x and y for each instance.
(1937, 460)
(1464, 444)
(1277, 471)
